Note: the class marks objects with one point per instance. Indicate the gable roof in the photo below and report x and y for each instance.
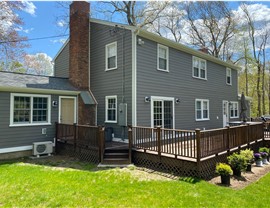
(34, 83)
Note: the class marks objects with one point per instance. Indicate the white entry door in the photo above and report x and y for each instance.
(226, 111)
(162, 109)
(67, 110)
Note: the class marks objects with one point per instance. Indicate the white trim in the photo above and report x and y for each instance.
(199, 59)
(134, 79)
(167, 57)
(75, 107)
(106, 56)
(229, 70)
(16, 149)
(157, 98)
(225, 120)
(232, 103)
(208, 110)
(113, 24)
(106, 108)
(31, 123)
(38, 91)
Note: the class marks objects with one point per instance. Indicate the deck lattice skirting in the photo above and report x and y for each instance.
(170, 151)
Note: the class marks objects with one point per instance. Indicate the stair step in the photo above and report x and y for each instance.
(116, 161)
(115, 155)
(116, 151)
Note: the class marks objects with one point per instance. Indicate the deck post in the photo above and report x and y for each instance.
(99, 142)
(56, 138)
(75, 136)
(102, 143)
(129, 142)
(198, 144)
(228, 139)
(159, 141)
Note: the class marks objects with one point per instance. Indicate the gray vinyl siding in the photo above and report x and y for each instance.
(179, 83)
(26, 135)
(61, 63)
(106, 83)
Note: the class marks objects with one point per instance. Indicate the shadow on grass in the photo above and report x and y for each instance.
(56, 161)
(190, 180)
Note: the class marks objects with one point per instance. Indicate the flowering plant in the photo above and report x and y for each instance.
(257, 156)
(264, 155)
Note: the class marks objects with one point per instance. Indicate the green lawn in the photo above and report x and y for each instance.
(27, 185)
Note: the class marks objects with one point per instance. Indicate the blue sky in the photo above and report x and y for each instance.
(40, 22)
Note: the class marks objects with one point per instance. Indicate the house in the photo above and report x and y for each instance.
(115, 75)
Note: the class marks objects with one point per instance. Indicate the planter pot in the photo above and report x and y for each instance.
(265, 162)
(248, 168)
(225, 179)
(259, 163)
(236, 172)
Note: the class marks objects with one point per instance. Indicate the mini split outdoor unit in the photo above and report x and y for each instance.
(42, 148)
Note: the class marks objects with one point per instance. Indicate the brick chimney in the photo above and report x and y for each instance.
(79, 60)
(79, 45)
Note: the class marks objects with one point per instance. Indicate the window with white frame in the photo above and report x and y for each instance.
(234, 110)
(229, 76)
(163, 58)
(111, 56)
(111, 109)
(202, 109)
(29, 109)
(199, 68)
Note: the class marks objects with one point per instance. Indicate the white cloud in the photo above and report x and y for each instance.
(27, 31)
(29, 7)
(61, 40)
(61, 23)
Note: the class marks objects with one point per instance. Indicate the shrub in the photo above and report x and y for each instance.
(264, 155)
(223, 169)
(237, 161)
(248, 154)
(264, 149)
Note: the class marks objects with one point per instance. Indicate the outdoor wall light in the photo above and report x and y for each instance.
(147, 99)
(177, 100)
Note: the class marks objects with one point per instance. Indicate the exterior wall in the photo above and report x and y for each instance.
(61, 63)
(26, 135)
(179, 83)
(114, 82)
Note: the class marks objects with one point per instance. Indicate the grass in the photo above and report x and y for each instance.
(30, 185)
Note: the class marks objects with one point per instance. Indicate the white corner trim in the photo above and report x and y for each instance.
(16, 149)
(134, 79)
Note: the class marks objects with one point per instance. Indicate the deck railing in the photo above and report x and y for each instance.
(195, 144)
(168, 141)
(78, 135)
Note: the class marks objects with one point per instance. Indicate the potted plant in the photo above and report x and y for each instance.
(238, 163)
(248, 155)
(264, 156)
(258, 159)
(224, 171)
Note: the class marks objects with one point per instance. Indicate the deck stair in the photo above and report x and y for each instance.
(115, 157)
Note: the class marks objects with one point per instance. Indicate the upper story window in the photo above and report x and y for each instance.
(29, 109)
(111, 109)
(111, 56)
(163, 58)
(202, 109)
(199, 68)
(234, 110)
(229, 76)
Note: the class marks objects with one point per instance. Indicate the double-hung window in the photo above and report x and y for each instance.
(111, 56)
(229, 76)
(234, 110)
(27, 109)
(202, 109)
(199, 68)
(163, 58)
(111, 109)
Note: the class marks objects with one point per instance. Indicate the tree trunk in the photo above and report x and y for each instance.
(259, 111)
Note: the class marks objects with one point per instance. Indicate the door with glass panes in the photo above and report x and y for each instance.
(163, 112)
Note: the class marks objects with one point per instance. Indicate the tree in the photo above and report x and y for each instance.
(40, 64)
(210, 25)
(11, 45)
